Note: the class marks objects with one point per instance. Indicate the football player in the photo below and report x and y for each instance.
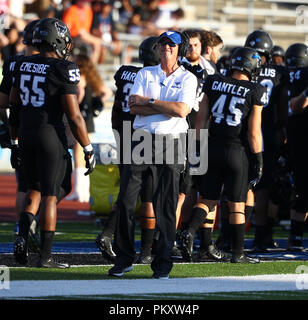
(297, 61)
(233, 106)
(124, 79)
(277, 55)
(273, 78)
(5, 88)
(197, 64)
(44, 89)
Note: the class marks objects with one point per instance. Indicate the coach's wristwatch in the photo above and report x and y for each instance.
(151, 101)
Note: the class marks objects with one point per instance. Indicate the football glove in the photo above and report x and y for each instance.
(256, 169)
(90, 161)
(15, 157)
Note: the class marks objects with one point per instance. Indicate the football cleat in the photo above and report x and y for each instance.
(186, 245)
(51, 263)
(20, 250)
(144, 258)
(243, 258)
(104, 244)
(33, 239)
(212, 253)
(176, 252)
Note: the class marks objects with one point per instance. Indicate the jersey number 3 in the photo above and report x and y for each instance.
(32, 85)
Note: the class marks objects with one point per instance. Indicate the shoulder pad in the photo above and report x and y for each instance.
(68, 71)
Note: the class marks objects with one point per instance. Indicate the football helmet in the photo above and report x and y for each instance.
(28, 32)
(277, 51)
(148, 53)
(55, 34)
(297, 56)
(261, 41)
(248, 60)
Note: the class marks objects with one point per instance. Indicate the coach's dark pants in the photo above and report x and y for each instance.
(166, 189)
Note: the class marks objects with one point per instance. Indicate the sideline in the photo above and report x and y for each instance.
(27, 289)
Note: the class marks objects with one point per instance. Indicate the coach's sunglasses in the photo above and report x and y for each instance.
(166, 42)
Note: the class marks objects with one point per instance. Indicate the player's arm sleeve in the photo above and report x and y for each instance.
(259, 96)
(69, 76)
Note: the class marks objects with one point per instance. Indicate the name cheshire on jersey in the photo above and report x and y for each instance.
(34, 67)
(230, 88)
(128, 75)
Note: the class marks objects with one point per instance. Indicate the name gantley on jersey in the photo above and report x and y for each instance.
(230, 88)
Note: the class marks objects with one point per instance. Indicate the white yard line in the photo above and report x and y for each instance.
(31, 288)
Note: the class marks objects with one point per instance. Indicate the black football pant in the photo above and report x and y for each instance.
(166, 179)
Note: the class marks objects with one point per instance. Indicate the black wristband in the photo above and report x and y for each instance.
(257, 158)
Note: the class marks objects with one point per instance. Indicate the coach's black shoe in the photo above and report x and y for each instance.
(118, 270)
(295, 243)
(243, 258)
(186, 245)
(104, 244)
(51, 263)
(21, 250)
(160, 276)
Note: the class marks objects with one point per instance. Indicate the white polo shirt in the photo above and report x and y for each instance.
(180, 86)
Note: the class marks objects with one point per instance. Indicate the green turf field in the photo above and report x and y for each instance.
(87, 231)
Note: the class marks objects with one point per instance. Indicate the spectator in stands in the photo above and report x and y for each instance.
(162, 17)
(14, 45)
(79, 17)
(92, 93)
(137, 23)
(125, 12)
(103, 27)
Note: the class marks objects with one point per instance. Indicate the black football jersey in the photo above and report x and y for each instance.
(273, 78)
(41, 81)
(7, 74)
(124, 80)
(230, 103)
(298, 123)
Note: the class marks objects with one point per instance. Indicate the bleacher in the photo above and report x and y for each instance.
(285, 20)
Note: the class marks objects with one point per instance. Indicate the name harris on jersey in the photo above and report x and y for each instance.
(34, 67)
(128, 75)
(230, 88)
